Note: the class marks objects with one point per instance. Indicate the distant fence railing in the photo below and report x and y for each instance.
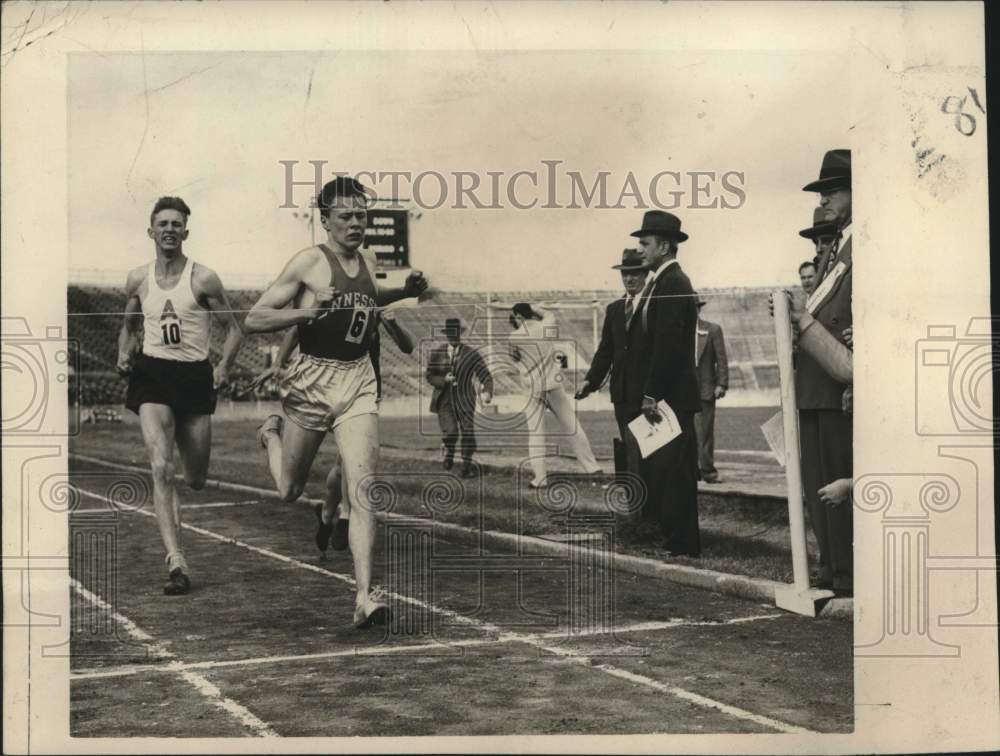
(94, 322)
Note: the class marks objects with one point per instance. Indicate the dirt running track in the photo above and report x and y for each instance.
(263, 644)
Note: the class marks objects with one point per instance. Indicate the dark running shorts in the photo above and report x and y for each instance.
(185, 387)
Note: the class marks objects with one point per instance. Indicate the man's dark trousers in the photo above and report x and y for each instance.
(457, 421)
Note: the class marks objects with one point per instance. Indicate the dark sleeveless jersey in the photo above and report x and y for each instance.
(345, 331)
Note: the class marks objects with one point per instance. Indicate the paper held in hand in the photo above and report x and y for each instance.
(652, 436)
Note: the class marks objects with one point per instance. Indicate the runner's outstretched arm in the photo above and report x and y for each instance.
(415, 285)
(271, 312)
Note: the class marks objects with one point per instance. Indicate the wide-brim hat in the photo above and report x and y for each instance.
(834, 173)
(820, 227)
(453, 325)
(631, 260)
(659, 223)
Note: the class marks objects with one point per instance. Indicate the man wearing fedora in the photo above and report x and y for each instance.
(618, 353)
(713, 383)
(453, 369)
(824, 428)
(823, 234)
(668, 316)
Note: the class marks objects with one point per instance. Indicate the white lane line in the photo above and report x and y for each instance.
(203, 685)
(574, 656)
(442, 646)
(184, 507)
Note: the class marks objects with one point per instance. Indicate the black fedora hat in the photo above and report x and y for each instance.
(819, 227)
(631, 260)
(453, 325)
(659, 223)
(834, 173)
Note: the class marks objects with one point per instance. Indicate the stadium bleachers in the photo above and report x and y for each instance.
(95, 320)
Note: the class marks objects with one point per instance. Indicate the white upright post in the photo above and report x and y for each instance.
(797, 597)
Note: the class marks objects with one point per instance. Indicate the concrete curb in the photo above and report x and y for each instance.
(741, 586)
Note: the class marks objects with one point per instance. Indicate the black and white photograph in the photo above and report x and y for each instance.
(443, 376)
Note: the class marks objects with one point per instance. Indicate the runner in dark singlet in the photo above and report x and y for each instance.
(331, 519)
(328, 292)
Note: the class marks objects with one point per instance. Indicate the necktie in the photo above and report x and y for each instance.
(644, 299)
(831, 257)
(629, 309)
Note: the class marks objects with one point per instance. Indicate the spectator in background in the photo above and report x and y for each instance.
(616, 351)
(453, 369)
(713, 381)
(807, 276)
(532, 346)
(825, 430)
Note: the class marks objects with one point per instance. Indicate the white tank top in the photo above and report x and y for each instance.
(175, 326)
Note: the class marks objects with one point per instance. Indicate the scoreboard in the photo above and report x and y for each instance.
(387, 236)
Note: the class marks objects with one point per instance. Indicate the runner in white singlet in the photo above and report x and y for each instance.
(163, 348)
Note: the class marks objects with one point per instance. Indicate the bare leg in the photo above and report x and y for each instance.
(357, 440)
(290, 457)
(194, 442)
(334, 494)
(157, 423)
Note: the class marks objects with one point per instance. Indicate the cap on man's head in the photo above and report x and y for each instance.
(659, 223)
(631, 261)
(834, 173)
(453, 326)
(523, 309)
(820, 226)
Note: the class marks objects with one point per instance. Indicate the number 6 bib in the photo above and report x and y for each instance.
(358, 324)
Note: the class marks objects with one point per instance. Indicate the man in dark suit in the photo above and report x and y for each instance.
(713, 382)
(824, 429)
(616, 350)
(453, 370)
(668, 316)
